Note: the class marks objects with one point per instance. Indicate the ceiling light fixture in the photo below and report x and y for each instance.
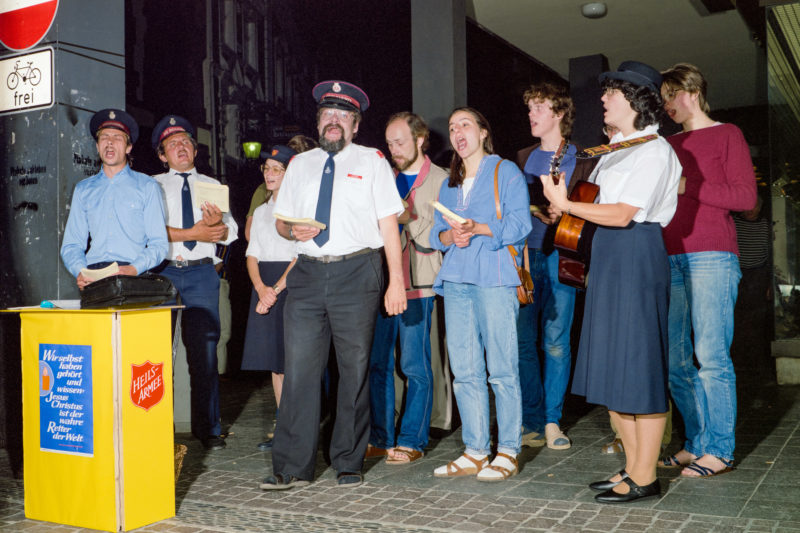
(594, 10)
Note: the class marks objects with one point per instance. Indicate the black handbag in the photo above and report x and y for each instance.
(125, 292)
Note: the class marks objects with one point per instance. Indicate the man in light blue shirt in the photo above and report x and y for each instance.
(118, 212)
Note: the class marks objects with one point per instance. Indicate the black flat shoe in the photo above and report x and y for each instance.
(214, 442)
(608, 484)
(636, 493)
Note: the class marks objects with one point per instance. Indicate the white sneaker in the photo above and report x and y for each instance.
(556, 440)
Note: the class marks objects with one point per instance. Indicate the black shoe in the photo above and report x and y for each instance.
(215, 442)
(265, 446)
(349, 479)
(608, 484)
(636, 493)
(282, 481)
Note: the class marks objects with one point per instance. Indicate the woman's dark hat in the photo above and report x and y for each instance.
(280, 153)
(636, 73)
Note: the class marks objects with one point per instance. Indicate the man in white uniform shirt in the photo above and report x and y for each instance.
(334, 289)
(193, 233)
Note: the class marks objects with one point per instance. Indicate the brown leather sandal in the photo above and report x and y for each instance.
(504, 472)
(403, 456)
(453, 470)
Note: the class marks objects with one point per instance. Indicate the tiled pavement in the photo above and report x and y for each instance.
(218, 491)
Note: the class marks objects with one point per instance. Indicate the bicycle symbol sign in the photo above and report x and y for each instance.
(28, 81)
(27, 74)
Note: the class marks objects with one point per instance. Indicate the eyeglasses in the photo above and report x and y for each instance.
(341, 114)
(272, 169)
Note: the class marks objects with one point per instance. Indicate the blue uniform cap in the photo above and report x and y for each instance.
(636, 73)
(341, 95)
(170, 125)
(280, 153)
(116, 119)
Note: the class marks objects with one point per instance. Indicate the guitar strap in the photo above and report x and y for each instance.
(597, 151)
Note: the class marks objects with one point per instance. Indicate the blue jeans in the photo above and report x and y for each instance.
(479, 318)
(414, 329)
(553, 306)
(702, 298)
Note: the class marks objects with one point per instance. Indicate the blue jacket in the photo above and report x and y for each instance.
(486, 262)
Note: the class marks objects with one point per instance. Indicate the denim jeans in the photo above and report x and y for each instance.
(414, 329)
(479, 318)
(553, 306)
(702, 299)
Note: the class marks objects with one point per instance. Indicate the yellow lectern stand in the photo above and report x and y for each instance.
(97, 417)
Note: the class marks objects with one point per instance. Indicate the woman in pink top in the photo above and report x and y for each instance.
(701, 243)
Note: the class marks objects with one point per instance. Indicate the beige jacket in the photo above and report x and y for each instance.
(421, 263)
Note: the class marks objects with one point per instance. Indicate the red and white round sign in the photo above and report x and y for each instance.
(23, 23)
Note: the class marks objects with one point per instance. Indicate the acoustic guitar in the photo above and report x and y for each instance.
(574, 239)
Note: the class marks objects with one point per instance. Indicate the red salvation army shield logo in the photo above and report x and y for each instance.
(147, 384)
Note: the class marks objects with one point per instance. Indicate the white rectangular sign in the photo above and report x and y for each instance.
(26, 81)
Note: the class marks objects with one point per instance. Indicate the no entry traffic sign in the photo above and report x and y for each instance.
(23, 23)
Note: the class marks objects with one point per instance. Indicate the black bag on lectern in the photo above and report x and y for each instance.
(125, 292)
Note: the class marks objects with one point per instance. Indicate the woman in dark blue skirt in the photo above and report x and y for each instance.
(622, 357)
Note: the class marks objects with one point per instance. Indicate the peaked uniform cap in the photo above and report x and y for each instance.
(116, 119)
(341, 95)
(170, 125)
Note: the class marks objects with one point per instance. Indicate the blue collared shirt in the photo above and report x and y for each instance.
(123, 215)
(486, 262)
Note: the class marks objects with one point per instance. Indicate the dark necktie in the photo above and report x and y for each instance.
(323, 213)
(186, 204)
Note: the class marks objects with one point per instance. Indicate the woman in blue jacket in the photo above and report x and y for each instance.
(478, 280)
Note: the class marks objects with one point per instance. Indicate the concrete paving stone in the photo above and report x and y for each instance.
(604, 524)
(638, 519)
(417, 520)
(583, 513)
(718, 486)
(555, 514)
(672, 525)
(357, 507)
(625, 526)
(573, 521)
(517, 516)
(497, 509)
(486, 519)
(564, 528)
(779, 493)
(769, 509)
(497, 529)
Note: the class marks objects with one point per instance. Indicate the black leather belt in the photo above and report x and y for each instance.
(335, 258)
(183, 263)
